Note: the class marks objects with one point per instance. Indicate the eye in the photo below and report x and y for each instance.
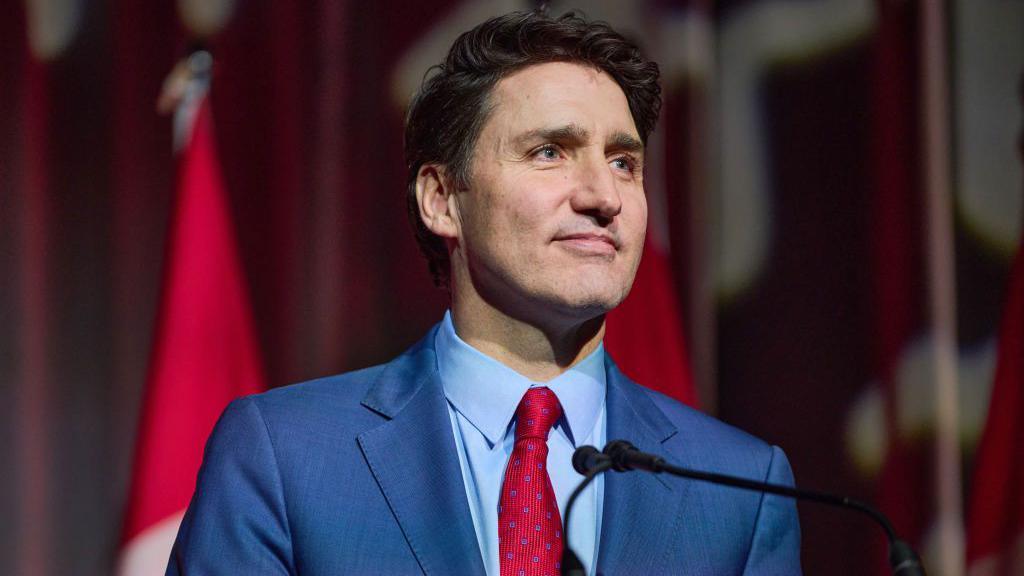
(625, 163)
(546, 152)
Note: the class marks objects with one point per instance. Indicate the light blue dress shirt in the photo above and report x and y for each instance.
(483, 395)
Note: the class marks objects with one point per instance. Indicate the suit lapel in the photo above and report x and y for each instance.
(413, 457)
(641, 510)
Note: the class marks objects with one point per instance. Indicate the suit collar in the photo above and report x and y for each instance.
(641, 510)
(413, 457)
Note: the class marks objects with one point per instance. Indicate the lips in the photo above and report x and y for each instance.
(589, 243)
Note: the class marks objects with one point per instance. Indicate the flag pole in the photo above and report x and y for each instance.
(942, 286)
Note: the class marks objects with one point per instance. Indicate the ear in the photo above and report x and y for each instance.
(434, 197)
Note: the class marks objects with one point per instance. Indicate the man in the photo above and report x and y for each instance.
(525, 152)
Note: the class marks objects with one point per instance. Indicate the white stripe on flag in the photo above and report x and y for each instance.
(147, 553)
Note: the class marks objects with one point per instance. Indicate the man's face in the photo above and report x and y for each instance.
(552, 224)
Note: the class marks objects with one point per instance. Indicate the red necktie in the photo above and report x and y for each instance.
(529, 526)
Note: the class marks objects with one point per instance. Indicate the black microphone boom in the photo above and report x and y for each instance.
(902, 558)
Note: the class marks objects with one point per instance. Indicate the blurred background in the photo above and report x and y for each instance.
(835, 186)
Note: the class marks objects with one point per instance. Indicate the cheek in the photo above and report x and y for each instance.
(526, 213)
(529, 217)
(506, 225)
(635, 212)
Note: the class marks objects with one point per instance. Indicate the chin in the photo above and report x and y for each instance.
(564, 294)
(586, 302)
(603, 288)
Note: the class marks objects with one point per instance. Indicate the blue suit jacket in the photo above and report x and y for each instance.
(358, 474)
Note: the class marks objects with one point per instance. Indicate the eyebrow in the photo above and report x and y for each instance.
(576, 134)
(573, 133)
(625, 142)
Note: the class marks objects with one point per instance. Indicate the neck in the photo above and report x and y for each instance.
(539, 353)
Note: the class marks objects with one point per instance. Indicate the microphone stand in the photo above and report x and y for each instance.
(571, 565)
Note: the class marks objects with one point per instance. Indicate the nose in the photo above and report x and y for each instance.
(597, 192)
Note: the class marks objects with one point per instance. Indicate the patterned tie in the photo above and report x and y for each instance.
(529, 526)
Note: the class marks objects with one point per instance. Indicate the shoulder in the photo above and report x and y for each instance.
(373, 389)
(694, 424)
(701, 441)
(347, 402)
(334, 394)
(291, 421)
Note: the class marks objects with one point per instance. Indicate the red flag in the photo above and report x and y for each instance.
(644, 335)
(995, 525)
(205, 354)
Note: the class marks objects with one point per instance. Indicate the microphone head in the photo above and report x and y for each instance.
(583, 459)
(615, 450)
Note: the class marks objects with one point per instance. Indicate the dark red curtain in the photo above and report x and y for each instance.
(308, 101)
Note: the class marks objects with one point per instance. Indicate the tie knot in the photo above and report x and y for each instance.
(537, 412)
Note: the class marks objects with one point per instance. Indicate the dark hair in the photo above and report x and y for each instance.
(447, 114)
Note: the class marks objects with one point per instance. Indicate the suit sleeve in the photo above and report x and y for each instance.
(236, 522)
(775, 548)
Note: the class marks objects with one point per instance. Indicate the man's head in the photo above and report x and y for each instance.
(478, 128)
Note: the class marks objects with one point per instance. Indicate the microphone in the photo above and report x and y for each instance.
(587, 458)
(623, 456)
(626, 457)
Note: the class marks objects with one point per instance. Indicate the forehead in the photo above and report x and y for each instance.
(559, 93)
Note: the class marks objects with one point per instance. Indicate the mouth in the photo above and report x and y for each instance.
(589, 243)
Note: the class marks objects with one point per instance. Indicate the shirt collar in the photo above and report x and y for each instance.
(487, 393)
